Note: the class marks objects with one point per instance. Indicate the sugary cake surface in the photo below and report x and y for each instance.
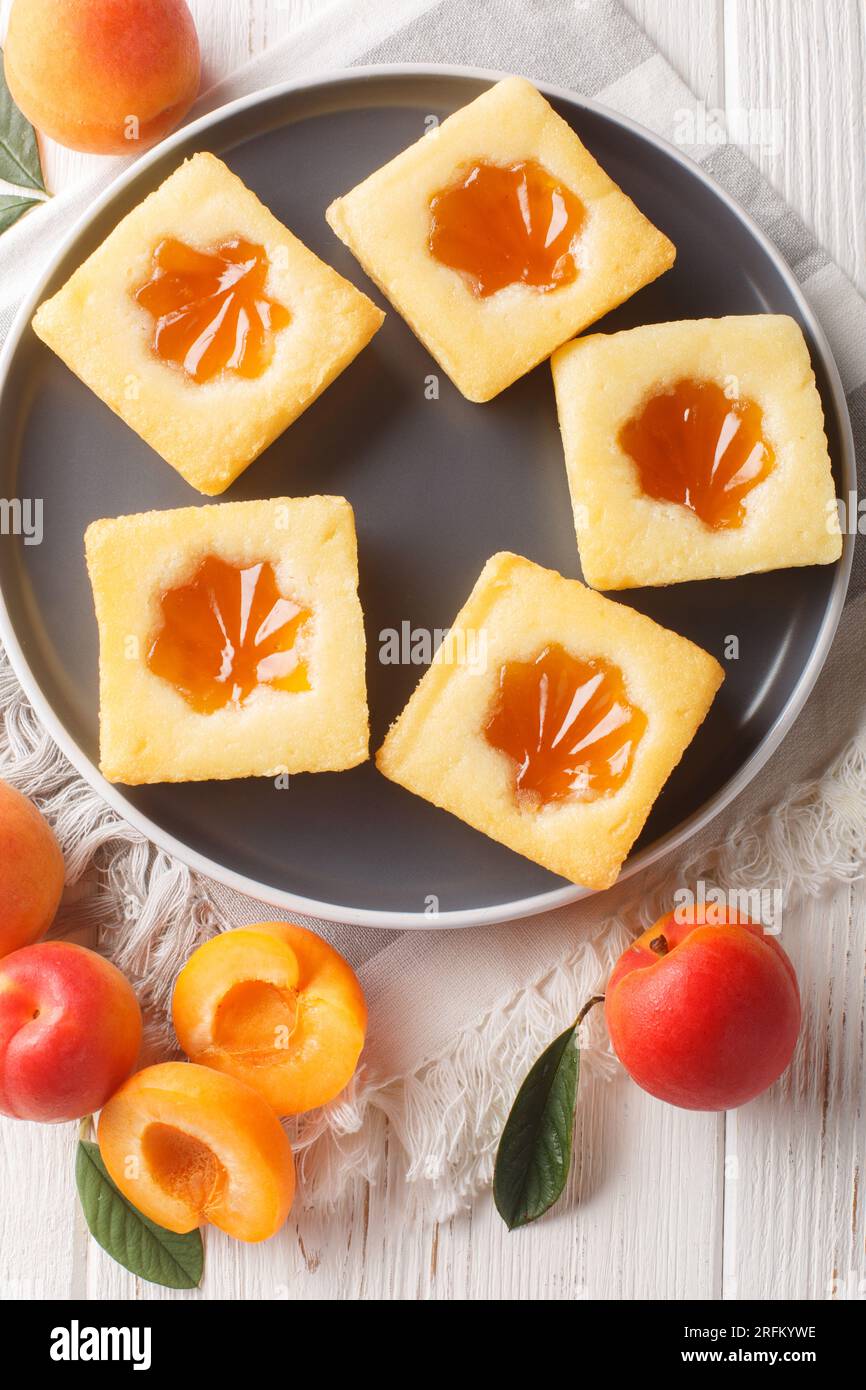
(209, 431)
(438, 750)
(627, 538)
(148, 731)
(486, 344)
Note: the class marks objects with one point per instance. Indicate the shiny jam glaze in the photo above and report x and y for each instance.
(505, 225)
(567, 725)
(210, 310)
(225, 632)
(694, 446)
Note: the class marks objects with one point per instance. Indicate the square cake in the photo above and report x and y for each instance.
(231, 641)
(559, 740)
(205, 324)
(695, 450)
(497, 236)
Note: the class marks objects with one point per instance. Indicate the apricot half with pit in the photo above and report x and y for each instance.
(277, 1007)
(187, 1145)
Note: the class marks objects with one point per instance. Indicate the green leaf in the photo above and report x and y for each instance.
(19, 151)
(534, 1153)
(142, 1247)
(12, 205)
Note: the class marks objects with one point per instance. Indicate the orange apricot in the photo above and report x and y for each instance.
(187, 1145)
(31, 871)
(105, 76)
(703, 1009)
(70, 1031)
(276, 1006)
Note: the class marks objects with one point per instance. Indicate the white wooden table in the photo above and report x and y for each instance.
(769, 1203)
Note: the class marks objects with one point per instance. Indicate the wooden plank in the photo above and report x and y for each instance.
(802, 67)
(794, 1218)
(689, 34)
(796, 1162)
(42, 1236)
(641, 1217)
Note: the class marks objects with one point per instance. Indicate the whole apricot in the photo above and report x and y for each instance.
(31, 871)
(103, 76)
(188, 1145)
(703, 1010)
(275, 1006)
(70, 1031)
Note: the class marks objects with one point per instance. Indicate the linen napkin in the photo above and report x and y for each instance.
(457, 1017)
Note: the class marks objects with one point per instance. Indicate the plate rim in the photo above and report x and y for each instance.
(540, 902)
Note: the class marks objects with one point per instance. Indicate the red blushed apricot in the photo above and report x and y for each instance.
(104, 76)
(31, 871)
(703, 1010)
(70, 1031)
(188, 1145)
(277, 1007)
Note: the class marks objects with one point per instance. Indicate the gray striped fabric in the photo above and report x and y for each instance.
(584, 46)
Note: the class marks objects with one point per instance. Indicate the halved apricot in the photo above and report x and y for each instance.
(277, 1007)
(187, 1145)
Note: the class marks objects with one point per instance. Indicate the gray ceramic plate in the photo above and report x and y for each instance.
(436, 487)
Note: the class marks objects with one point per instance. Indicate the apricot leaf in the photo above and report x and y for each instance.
(12, 206)
(534, 1153)
(130, 1238)
(19, 151)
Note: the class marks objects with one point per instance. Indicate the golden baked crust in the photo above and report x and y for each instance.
(208, 431)
(148, 731)
(627, 539)
(437, 749)
(486, 344)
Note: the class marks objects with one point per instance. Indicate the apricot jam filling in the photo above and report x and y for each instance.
(256, 1019)
(695, 446)
(227, 631)
(566, 724)
(210, 310)
(505, 225)
(183, 1166)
